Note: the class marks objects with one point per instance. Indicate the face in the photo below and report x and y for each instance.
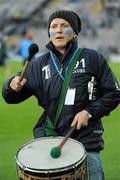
(60, 32)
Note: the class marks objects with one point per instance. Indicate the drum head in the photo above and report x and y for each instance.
(36, 154)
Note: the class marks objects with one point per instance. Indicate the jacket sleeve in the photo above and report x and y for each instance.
(12, 97)
(109, 96)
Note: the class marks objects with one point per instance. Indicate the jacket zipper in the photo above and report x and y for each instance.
(61, 68)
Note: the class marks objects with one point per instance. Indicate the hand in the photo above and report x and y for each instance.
(16, 84)
(81, 119)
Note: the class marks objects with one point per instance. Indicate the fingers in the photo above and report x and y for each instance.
(76, 122)
(80, 120)
(16, 84)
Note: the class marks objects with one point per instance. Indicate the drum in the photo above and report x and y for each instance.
(34, 161)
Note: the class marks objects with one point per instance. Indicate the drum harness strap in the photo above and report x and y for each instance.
(50, 129)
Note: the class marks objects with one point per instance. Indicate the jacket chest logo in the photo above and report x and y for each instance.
(47, 72)
(80, 66)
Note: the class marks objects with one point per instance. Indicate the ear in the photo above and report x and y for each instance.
(75, 35)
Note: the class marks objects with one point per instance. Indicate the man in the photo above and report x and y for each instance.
(3, 56)
(93, 91)
(24, 46)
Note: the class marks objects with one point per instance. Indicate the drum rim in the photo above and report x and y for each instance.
(44, 171)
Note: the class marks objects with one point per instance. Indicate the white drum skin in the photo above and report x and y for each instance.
(35, 162)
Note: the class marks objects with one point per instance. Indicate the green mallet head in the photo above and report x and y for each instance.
(55, 152)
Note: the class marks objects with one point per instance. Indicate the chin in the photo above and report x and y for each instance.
(60, 45)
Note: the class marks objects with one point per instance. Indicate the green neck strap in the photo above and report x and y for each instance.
(65, 86)
(50, 126)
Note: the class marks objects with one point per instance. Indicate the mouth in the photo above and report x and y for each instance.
(59, 38)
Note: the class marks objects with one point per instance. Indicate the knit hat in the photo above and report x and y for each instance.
(71, 17)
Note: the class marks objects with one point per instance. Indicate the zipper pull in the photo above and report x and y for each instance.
(61, 69)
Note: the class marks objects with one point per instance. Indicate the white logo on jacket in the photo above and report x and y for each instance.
(77, 64)
(81, 63)
(47, 71)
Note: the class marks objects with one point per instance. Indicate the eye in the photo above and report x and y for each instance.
(65, 25)
(53, 26)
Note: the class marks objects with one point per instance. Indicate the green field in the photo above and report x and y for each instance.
(17, 121)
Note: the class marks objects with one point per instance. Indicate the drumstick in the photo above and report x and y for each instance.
(33, 49)
(56, 151)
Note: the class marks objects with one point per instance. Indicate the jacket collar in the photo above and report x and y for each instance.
(70, 47)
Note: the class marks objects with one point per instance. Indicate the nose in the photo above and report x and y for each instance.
(59, 29)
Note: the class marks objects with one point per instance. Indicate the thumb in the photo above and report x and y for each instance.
(74, 122)
(23, 82)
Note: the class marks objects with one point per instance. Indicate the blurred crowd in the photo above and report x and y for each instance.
(100, 25)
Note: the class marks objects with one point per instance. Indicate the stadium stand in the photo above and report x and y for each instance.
(100, 21)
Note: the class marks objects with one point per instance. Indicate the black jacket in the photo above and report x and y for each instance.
(44, 82)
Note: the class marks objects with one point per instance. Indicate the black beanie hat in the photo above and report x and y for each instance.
(71, 17)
